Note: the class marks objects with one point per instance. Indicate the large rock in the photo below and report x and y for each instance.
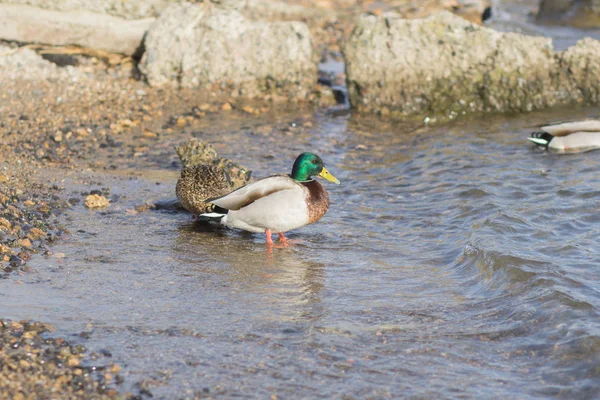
(200, 45)
(128, 9)
(446, 65)
(27, 24)
(21, 64)
(578, 13)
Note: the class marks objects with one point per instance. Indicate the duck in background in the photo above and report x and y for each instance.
(575, 136)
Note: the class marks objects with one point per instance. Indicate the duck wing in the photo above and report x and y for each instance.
(253, 191)
(566, 128)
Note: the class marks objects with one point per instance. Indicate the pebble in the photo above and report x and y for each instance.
(96, 201)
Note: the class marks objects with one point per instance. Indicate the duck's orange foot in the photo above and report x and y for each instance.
(282, 238)
(269, 239)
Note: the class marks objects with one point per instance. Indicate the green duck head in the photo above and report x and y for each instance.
(308, 165)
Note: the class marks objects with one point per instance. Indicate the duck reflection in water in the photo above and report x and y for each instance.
(289, 274)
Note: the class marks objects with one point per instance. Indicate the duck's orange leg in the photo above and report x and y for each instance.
(282, 238)
(269, 240)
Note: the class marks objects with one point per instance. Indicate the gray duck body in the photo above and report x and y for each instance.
(574, 136)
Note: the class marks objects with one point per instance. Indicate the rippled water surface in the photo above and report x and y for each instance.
(455, 261)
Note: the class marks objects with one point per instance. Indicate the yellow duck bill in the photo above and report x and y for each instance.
(327, 176)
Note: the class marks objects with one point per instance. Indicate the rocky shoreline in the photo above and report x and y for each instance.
(33, 366)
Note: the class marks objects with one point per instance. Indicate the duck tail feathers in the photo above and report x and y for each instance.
(213, 216)
(541, 138)
(216, 214)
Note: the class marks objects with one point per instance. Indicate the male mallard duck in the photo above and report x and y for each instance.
(278, 203)
(569, 136)
(199, 182)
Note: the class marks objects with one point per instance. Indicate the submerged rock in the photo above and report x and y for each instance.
(203, 45)
(446, 65)
(577, 13)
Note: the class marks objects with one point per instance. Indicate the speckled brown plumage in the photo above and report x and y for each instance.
(317, 200)
(205, 175)
(197, 152)
(200, 182)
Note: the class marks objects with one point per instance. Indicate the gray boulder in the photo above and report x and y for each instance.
(22, 64)
(127, 9)
(201, 45)
(27, 24)
(446, 65)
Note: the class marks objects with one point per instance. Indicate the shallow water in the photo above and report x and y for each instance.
(519, 16)
(455, 261)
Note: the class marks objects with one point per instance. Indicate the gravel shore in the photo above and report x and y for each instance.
(94, 116)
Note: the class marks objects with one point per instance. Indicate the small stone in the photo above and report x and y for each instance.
(36, 233)
(82, 132)
(226, 107)
(96, 201)
(114, 368)
(143, 208)
(15, 326)
(24, 242)
(28, 203)
(29, 334)
(73, 361)
(149, 134)
(4, 222)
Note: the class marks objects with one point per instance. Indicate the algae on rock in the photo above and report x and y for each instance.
(443, 65)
